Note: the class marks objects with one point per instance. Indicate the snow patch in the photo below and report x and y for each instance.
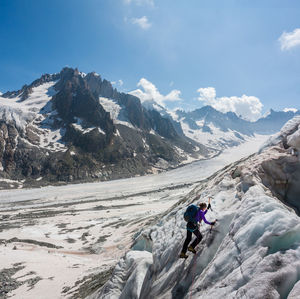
(79, 125)
(115, 111)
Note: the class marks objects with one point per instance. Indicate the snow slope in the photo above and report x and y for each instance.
(23, 112)
(252, 252)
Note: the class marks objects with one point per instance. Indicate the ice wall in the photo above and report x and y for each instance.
(280, 170)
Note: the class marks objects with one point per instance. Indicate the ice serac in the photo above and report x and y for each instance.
(280, 171)
(128, 277)
(252, 252)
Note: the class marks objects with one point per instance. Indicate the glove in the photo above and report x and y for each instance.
(213, 223)
(209, 206)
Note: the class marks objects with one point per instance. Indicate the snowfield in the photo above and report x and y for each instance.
(252, 252)
(68, 239)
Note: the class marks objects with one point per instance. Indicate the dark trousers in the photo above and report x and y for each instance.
(189, 238)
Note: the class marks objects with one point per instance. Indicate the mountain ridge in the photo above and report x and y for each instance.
(222, 130)
(57, 129)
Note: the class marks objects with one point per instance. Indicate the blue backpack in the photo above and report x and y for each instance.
(190, 213)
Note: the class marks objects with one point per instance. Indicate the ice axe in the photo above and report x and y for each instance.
(211, 227)
(209, 203)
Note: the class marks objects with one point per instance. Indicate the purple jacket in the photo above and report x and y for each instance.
(201, 215)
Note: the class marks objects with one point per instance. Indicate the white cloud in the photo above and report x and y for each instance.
(150, 92)
(119, 83)
(248, 107)
(143, 22)
(289, 40)
(208, 93)
(140, 2)
(290, 109)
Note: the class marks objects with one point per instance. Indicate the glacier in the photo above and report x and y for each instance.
(252, 252)
(92, 225)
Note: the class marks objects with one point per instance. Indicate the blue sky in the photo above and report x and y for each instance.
(180, 48)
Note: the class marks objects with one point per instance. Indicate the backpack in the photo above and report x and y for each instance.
(190, 213)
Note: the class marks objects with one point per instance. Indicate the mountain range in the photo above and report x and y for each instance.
(216, 129)
(71, 126)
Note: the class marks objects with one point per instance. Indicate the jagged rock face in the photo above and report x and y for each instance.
(57, 129)
(162, 125)
(75, 100)
(136, 114)
(8, 137)
(99, 87)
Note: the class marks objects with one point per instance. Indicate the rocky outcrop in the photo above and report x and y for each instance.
(8, 143)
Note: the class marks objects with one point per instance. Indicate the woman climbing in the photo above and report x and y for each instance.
(193, 215)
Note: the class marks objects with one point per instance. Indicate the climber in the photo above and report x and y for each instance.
(193, 215)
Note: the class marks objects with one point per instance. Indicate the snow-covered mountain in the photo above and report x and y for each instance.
(214, 128)
(222, 130)
(252, 252)
(72, 126)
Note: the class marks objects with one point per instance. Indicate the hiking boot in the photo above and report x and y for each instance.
(191, 249)
(183, 255)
